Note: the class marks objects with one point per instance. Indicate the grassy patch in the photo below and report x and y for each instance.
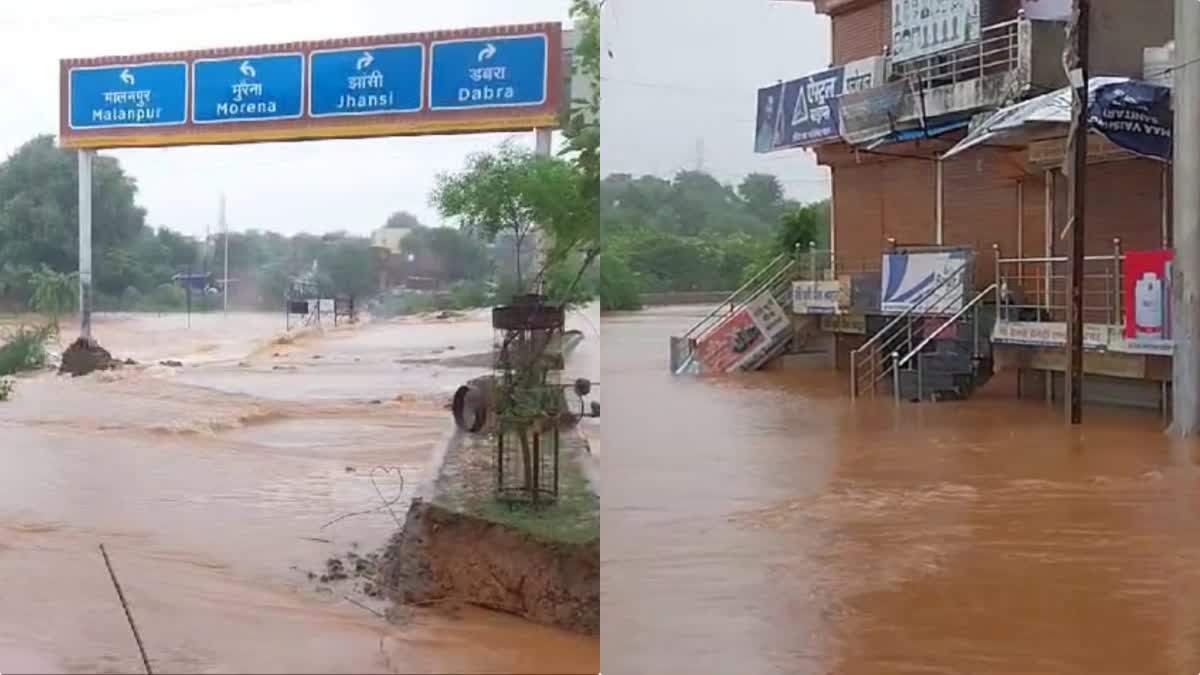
(25, 349)
(467, 484)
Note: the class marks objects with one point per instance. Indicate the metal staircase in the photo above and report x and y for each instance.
(879, 356)
(770, 288)
(952, 360)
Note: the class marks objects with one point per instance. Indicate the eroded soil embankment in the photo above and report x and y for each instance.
(447, 555)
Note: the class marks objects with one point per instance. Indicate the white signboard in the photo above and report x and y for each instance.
(921, 281)
(1048, 334)
(771, 320)
(818, 297)
(924, 27)
(1047, 10)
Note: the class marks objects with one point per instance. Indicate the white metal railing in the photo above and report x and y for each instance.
(780, 267)
(1037, 289)
(899, 362)
(871, 362)
(997, 50)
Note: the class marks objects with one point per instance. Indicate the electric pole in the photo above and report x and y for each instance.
(1078, 75)
(225, 237)
(1185, 286)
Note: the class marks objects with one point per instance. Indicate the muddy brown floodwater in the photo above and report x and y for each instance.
(209, 486)
(764, 524)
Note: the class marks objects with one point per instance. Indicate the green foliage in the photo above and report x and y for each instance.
(618, 287)
(402, 220)
(693, 233)
(53, 292)
(802, 228)
(513, 191)
(469, 295)
(445, 254)
(6, 387)
(25, 349)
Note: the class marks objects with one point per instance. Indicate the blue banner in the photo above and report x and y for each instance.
(1136, 116)
(799, 113)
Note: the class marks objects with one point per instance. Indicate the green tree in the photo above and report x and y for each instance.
(618, 285)
(798, 229)
(53, 292)
(763, 195)
(446, 254)
(402, 220)
(515, 192)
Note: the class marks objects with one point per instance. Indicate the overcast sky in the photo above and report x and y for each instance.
(679, 88)
(317, 186)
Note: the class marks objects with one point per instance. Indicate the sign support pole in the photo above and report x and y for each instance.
(1185, 286)
(85, 243)
(1079, 202)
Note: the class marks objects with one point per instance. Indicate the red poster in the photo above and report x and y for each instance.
(1148, 295)
(722, 350)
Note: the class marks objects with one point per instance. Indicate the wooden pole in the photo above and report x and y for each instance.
(1079, 77)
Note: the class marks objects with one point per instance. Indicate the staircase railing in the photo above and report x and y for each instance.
(775, 278)
(899, 362)
(871, 362)
(781, 266)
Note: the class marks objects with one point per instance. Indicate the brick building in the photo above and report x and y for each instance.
(893, 189)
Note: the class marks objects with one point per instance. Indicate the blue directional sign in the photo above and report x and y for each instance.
(489, 73)
(366, 81)
(247, 88)
(142, 95)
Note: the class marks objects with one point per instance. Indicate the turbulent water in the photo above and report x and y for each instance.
(766, 524)
(211, 487)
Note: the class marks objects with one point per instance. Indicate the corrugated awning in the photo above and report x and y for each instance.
(1021, 122)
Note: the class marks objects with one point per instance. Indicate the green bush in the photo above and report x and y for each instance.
(618, 285)
(6, 388)
(469, 295)
(25, 349)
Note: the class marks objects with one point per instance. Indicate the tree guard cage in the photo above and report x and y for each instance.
(528, 364)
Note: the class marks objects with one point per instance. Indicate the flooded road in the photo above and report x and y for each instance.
(213, 485)
(764, 524)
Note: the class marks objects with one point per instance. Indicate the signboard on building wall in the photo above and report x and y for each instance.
(743, 338)
(1047, 10)
(1136, 116)
(1147, 280)
(1048, 334)
(484, 79)
(871, 113)
(909, 281)
(924, 27)
(820, 297)
(804, 112)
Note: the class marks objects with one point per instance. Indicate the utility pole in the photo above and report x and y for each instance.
(85, 243)
(225, 236)
(1079, 80)
(1185, 286)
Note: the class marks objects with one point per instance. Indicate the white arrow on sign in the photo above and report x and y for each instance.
(127, 77)
(247, 69)
(487, 52)
(365, 61)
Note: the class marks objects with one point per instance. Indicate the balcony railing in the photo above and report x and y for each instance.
(1038, 289)
(997, 51)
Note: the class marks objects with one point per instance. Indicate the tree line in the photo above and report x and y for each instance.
(695, 233)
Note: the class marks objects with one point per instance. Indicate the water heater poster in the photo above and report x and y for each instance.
(1148, 296)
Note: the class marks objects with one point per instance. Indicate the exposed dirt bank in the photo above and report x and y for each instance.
(442, 554)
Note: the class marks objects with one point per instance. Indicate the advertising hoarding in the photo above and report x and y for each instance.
(741, 340)
(908, 281)
(1147, 290)
(805, 112)
(925, 27)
